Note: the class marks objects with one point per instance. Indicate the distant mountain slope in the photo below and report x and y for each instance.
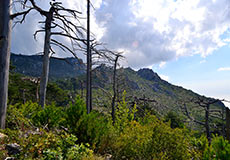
(145, 83)
(59, 68)
(141, 83)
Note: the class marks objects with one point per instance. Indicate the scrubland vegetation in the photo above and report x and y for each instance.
(68, 132)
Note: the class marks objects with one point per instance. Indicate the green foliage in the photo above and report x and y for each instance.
(21, 116)
(16, 119)
(77, 152)
(124, 114)
(89, 128)
(129, 138)
(74, 112)
(218, 150)
(51, 116)
(174, 119)
(50, 145)
(152, 140)
(20, 90)
(56, 95)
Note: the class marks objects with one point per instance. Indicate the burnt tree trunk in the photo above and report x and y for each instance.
(5, 40)
(46, 57)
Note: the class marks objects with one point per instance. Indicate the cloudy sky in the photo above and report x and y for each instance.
(187, 42)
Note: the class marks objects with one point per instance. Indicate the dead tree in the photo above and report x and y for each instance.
(117, 56)
(58, 18)
(227, 120)
(5, 40)
(5, 44)
(228, 124)
(89, 64)
(205, 104)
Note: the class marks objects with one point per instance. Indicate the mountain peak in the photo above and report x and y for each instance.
(148, 74)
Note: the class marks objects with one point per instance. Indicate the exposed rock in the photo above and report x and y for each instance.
(131, 84)
(148, 74)
(2, 136)
(13, 148)
(108, 157)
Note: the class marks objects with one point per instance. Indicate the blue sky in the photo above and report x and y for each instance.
(208, 76)
(187, 42)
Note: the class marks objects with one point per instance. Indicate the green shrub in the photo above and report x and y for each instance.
(52, 145)
(51, 116)
(15, 118)
(174, 119)
(124, 114)
(152, 139)
(73, 113)
(89, 128)
(218, 150)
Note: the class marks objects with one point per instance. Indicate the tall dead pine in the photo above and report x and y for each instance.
(60, 19)
(5, 41)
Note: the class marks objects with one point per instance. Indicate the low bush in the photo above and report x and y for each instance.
(40, 134)
(52, 145)
(218, 150)
(155, 140)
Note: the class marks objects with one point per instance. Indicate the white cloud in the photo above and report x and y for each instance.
(164, 77)
(22, 36)
(162, 64)
(203, 61)
(164, 29)
(224, 69)
(150, 32)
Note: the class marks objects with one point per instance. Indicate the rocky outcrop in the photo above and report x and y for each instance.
(13, 148)
(148, 74)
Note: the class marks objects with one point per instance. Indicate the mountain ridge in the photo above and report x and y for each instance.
(143, 83)
(31, 65)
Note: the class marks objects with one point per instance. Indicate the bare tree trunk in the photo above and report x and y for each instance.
(37, 90)
(46, 58)
(207, 123)
(5, 41)
(222, 116)
(227, 123)
(114, 89)
(89, 57)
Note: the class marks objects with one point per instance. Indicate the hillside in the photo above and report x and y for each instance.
(144, 83)
(149, 115)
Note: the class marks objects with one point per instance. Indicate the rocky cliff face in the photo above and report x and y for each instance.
(148, 74)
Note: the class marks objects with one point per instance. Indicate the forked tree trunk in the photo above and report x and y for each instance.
(46, 58)
(5, 40)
